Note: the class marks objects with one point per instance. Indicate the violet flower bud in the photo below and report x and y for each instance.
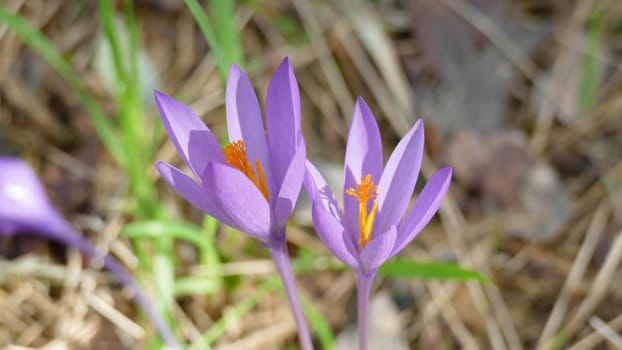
(26, 208)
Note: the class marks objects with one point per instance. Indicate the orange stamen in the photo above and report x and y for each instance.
(235, 155)
(365, 191)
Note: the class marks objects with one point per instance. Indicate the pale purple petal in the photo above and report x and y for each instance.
(24, 204)
(191, 191)
(363, 157)
(399, 178)
(244, 121)
(424, 208)
(22, 194)
(333, 234)
(283, 119)
(318, 191)
(321, 195)
(378, 250)
(239, 199)
(8, 227)
(314, 181)
(290, 188)
(21, 190)
(194, 141)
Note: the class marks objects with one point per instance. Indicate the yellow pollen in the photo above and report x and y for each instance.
(365, 191)
(235, 155)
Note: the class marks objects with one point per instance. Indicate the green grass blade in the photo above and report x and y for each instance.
(196, 285)
(224, 36)
(132, 28)
(241, 308)
(591, 67)
(429, 270)
(228, 32)
(209, 255)
(210, 35)
(202, 238)
(42, 45)
(123, 43)
(107, 15)
(164, 278)
(165, 228)
(318, 323)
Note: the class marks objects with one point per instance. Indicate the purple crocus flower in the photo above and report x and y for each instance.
(26, 209)
(253, 183)
(373, 226)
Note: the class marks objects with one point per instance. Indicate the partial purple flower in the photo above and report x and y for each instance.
(253, 183)
(374, 225)
(24, 205)
(26, 209)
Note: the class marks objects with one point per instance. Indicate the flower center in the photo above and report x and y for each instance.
(235, 155)
(365, 190)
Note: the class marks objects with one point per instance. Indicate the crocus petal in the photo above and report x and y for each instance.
(22, 194)
(283, 118)
(191, 191)
(378, 250)
(192, 138)
(399, 178)
(8, 228)
(314, 181)
(363, 156)
(333, 234)
(290, 188)
(424, 208)
(318, 190)
(24, 204)
(239, 199)
(244, 120)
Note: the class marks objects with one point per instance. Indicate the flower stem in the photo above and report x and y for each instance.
(363, 287)
(278, 250)
(63, 233)
(112, 265)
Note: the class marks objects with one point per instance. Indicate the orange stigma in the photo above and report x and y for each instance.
(365, 191)
(235, 154)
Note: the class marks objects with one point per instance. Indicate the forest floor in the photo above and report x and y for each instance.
(523, 99)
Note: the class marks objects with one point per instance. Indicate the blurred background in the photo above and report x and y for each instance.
(523, 98)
